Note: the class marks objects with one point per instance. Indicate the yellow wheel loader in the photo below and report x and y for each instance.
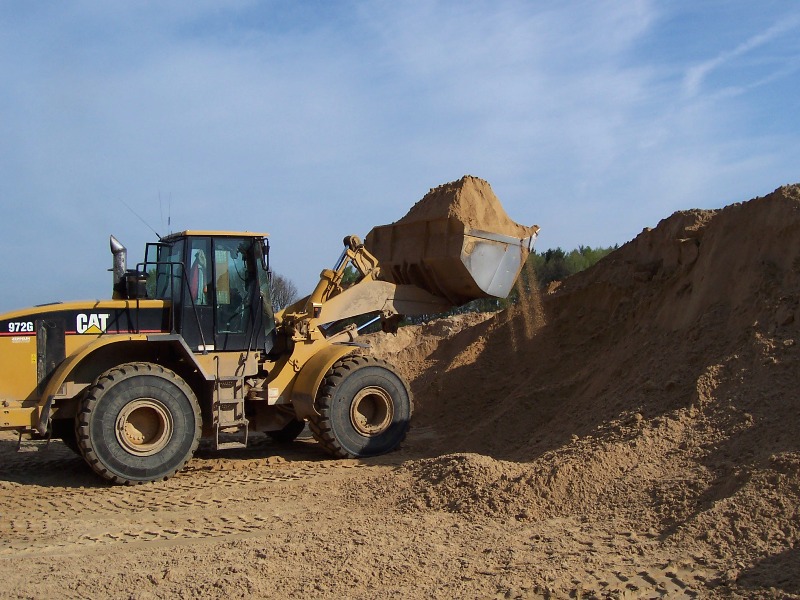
(189, 347)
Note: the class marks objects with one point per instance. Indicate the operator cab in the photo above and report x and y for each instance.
(217, 284)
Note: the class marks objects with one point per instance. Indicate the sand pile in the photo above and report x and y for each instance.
(409, 349)
(448, 245)
(660, 388)
(472, 201)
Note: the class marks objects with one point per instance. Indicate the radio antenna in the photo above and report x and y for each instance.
(141, 219)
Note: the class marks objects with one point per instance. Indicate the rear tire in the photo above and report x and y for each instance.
(364, 408)
(138, 422)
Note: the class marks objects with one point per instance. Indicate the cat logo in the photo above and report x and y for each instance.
(91, 324)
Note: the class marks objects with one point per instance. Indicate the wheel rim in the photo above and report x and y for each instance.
(144, 427)
(372, 411)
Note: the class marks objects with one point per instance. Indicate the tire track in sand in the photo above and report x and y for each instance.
(210, 499)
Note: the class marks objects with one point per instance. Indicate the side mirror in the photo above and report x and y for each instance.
(262, 254)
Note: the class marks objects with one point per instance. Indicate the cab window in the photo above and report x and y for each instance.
(234, 278)
(169, 271)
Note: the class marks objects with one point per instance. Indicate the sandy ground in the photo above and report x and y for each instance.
(288, 522)
(633, 433)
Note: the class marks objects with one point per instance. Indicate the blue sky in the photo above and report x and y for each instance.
(314, 120)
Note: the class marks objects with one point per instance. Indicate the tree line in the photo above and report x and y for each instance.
(557, 264)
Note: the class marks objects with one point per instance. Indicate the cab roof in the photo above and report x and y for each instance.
(211, 233)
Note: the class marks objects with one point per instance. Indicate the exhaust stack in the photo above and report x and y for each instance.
(120, 267)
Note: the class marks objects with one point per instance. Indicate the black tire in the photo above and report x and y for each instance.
(64, 429)
(365, 408)
(138, 422)
(289, 432)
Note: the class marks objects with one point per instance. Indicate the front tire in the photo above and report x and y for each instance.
(364, 408)
(138, 422)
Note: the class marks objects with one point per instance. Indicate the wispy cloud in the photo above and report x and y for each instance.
(697, 74)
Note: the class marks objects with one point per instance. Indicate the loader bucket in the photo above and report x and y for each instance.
(456, 243)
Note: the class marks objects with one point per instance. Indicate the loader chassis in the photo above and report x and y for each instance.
(188, 347)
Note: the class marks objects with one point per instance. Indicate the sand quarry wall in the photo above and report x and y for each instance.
(660, 386)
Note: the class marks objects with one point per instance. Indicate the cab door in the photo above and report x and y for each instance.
(237, 300)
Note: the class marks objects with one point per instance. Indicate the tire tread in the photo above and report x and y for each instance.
(89, 403)
(341, 369)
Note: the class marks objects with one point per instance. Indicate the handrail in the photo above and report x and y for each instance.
(171, 265)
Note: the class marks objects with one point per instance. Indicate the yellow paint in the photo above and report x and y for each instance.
(81, 351)
(18, 379)
(18, 367)
(308, 380)
(16, 415)
(33, 313)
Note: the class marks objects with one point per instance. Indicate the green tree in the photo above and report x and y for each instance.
(555, 264)
(350, 275)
